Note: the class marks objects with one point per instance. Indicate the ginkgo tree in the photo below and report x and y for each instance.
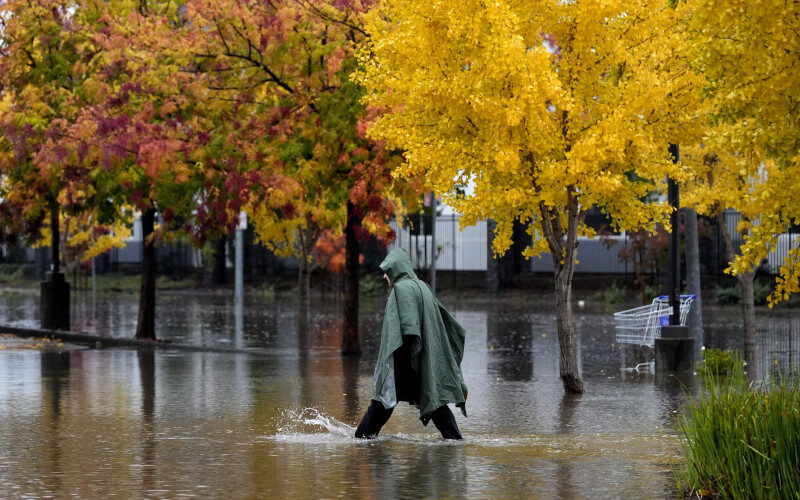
(719, 184)
(747, 55)
(546, 107)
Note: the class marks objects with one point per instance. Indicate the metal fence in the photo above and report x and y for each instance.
(456, 250)
(461, 249)
(466, 249)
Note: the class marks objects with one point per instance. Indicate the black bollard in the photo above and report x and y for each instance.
(674, 350)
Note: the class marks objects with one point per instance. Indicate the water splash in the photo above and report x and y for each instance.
(311, 426)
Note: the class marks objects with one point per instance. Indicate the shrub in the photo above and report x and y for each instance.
(718, 362)
(732, 294)
(728, 295)
(742, 441)
(761, 290)
(266, 292)
(612, 295)
(371, 286)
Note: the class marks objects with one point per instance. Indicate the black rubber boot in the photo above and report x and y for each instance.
(373, 420)
(444, 420)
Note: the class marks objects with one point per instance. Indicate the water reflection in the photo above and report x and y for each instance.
(147, 381)
(563, 468)
(510, 346)
(55, 369)
(399, 470)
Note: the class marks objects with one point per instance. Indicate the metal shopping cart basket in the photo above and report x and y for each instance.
(642, 325)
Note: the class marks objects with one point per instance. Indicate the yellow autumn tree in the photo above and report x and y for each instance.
(719, 184)
(546, 107)
(748, 54)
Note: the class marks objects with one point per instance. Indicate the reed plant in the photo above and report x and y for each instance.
(742, 440)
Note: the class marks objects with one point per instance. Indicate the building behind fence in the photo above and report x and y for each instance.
(460, 250)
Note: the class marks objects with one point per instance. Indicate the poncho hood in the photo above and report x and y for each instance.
(397, 265)
(435, 337)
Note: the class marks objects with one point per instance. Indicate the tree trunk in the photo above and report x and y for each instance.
(748, 317)
(492, 265)
(568, 355)
(146, 325)
(350, 340)
(304, 286)
(747, 299)
(563, 243)
(695, 319)
(219, 274)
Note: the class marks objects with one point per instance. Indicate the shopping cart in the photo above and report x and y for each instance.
(642, 325)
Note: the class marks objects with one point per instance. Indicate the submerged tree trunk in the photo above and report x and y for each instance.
(350, 337)
(563, 243)
(146, 325)
(695, 319)
(304, 286)
(747, 298)
(307, 240)
(568, 354)
(748, 317)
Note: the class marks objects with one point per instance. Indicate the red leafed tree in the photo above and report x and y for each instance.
(150, 139)
(285, 67)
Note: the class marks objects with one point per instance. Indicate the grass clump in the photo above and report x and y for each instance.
(720, 362)
(742, 441)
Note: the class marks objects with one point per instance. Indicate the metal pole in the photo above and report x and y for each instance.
(453, 226)
(433, 244)
(94, 276)
(674, 244)
(424, 233)
(54, 240)
(238, 276)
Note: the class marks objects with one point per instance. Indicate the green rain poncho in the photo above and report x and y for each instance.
(434, 344)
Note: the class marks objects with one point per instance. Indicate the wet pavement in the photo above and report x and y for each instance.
(101, 422)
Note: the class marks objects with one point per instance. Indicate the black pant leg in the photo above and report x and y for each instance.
(373, 420)
(444, 420)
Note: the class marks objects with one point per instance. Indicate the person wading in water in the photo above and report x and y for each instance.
(419, 360)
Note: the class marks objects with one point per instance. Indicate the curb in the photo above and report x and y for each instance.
(98, 341)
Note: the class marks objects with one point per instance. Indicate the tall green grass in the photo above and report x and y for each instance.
(742, 441)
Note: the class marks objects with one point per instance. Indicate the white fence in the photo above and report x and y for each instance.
(463, 250)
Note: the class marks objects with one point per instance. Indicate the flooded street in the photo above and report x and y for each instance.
(279, 421)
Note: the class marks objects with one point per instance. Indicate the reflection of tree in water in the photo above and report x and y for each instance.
(564, 467)
(510, 341)
(417, 471)
(55, 372)
(147, 382)
(352, 405)
(303, 361)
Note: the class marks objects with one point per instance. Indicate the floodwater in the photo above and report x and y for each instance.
(278, 422)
